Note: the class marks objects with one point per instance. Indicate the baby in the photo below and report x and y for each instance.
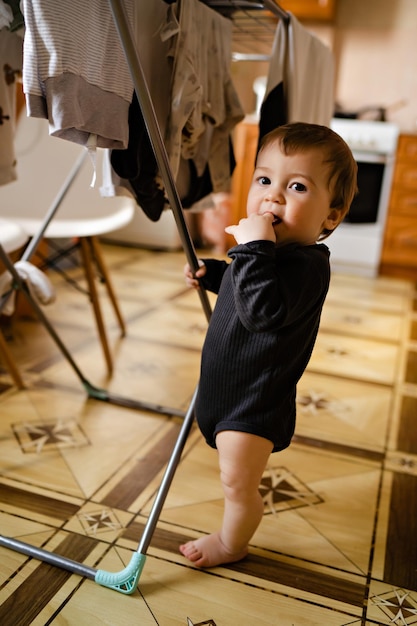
(265, 322)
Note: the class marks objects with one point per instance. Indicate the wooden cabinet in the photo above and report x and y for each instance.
(399, 253)
(323, 10)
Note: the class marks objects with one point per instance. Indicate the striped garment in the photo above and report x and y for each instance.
(74, 70)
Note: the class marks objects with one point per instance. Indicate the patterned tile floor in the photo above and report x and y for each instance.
(78, 475)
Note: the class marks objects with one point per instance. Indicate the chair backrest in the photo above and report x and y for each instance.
(44, 164)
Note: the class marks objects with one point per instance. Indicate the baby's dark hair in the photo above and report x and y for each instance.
(343, 169)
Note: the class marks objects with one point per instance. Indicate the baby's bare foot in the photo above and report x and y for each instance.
(209, 551)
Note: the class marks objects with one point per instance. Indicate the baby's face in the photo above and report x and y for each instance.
(294, 188)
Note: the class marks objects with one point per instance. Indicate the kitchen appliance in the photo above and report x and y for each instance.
(356, 244)
(371, 112)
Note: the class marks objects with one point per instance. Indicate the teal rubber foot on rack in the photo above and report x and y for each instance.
(125, 581)
(95, 392)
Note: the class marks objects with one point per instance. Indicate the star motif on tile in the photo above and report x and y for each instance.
(399, 606)
(336, 352)
(99, 521)
(402, 462)
(314, 401)
(282, 491)
(352, 319)
(38, 437)
(407, 462)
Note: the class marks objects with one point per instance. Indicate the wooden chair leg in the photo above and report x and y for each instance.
(88, 261)
(14, 372)
(107, 281)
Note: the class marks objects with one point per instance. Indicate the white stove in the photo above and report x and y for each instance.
(356, 244)
(367, 136)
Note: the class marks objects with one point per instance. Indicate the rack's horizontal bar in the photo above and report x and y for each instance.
(48, 557)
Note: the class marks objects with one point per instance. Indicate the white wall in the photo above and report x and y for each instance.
(375, 44)
(375, 47)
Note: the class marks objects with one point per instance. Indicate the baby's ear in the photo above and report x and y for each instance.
(334, 218)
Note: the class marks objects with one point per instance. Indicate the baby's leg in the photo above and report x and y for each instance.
(242, 460)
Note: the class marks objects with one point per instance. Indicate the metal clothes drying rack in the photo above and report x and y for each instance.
(149, 115)
(126, 580)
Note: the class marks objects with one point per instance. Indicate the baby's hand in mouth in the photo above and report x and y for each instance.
(276, 220)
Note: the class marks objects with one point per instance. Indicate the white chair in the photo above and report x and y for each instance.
(12, 239)
(44, 166)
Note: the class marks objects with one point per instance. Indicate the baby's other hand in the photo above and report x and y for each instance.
(191, 279)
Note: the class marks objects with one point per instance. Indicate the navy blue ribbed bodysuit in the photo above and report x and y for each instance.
(260, 337)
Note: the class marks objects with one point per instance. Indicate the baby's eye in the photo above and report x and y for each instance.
(298, 187)
(264, 180)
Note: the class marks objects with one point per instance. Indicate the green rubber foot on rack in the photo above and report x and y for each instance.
(95, 392)
(125, 581)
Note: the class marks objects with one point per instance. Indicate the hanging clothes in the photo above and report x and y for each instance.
(300, 85)
(75, 72)
(204, 104)
(135, 167)
(11, 15)
(203, 109)
(11, 60)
